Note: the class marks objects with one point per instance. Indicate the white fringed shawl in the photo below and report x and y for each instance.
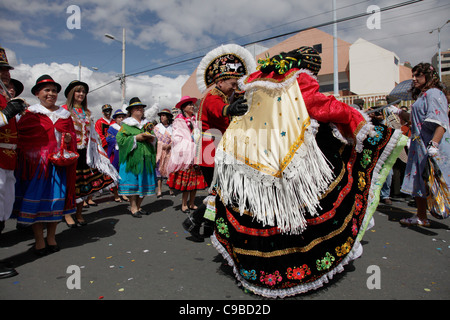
(270, 159)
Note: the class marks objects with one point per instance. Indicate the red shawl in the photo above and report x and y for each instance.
(37, 140)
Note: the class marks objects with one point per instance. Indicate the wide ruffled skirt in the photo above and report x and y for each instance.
(89, 180)
(273, 264)
(143, 184)
(187, 180)
(43, 197)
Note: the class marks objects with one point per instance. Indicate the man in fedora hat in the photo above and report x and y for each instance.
(9, 108)
(220, 70)
(102, 124)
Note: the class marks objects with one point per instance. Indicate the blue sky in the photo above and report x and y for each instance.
(38, 40)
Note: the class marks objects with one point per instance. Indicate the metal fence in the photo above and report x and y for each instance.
(371, 99)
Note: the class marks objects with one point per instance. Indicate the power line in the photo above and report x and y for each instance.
(356, 16)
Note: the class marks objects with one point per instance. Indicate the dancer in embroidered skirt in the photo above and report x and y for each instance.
(94, 170)
(163, 133)
(217, 79)
(136, 158)
(184, 175)
(45, 192)
(298, 178)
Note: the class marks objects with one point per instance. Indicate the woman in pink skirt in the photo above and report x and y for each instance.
(184, 175)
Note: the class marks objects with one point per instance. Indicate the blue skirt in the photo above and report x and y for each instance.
(143, 184)
(43, 197)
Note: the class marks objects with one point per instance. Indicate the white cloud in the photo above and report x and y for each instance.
(175, 28)
(150, 89)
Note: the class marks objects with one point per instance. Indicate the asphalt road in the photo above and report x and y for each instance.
(118, 257)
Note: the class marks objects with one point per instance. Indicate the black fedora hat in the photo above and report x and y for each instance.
(75, 83)
(134, 102)
(18, 86)
(43, 80)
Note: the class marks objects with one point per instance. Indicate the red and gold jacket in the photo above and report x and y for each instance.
(102, 126)
(213, 124)
(8, 140)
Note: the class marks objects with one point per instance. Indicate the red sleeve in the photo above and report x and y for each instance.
(212, 116)
(98, 128)
(327, 108)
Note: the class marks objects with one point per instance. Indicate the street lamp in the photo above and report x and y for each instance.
(79, 70)
(122, 78)
(439, 48)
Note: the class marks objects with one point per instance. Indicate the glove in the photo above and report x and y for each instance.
(433, 149)
(237, 108)
(15, 106)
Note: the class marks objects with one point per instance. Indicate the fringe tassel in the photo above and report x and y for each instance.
(97, 158)
(281, 202)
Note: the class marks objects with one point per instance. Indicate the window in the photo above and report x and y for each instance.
(396, 61)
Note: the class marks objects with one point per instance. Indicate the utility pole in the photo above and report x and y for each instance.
(335, 54)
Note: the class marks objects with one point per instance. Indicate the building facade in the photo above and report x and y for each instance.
(363, 67)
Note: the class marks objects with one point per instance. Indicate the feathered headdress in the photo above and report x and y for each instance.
(224, 62)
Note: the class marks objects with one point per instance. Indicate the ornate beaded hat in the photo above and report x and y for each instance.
(225, 62)
(301, 58)
(4, 60)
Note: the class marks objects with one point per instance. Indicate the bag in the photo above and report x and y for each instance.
(438, 200)
(63, 157)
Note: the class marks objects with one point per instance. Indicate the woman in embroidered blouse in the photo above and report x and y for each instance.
(94, 170)
(44, 192)
(184, 175)
(136, 158)
(429, 137)
(163, 133)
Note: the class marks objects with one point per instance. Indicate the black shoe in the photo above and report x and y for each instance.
(53, 248)
(40, 252)
(81, 223)
(71, 225)
(137, 214)
(6, 272)
(142, 211)
(193, 229)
